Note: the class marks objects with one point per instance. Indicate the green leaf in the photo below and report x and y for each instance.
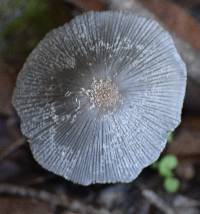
(167, 164)
(171, 184)
(154, 165)
(169, 161)
(165, 172)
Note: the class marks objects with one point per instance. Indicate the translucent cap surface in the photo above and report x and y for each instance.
(98, 96)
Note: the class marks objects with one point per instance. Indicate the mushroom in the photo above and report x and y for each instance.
(98, 96)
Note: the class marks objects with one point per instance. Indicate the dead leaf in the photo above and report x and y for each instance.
(14, 205)
(6, 88)
(176, 19)
(186, 144)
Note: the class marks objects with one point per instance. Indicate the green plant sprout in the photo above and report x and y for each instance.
(165, 167)
(170, 137)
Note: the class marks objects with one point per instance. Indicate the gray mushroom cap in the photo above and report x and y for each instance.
(98, 96)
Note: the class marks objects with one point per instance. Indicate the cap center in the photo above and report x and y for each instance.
(104, 95)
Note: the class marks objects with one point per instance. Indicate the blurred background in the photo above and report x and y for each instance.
(171, 185)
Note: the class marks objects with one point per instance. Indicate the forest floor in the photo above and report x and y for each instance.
(25, 187)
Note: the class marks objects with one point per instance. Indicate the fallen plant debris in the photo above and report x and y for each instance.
(32, 193)
(7, 80)
(186, 144)
(18, 205)
(12, 148)
(154, 199)
(176, 20)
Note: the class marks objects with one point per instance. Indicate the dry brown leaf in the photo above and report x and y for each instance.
(17, 205)
(6, 88)
(176, 19)
(187, 142)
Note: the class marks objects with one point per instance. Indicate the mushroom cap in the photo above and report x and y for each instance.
(98, 96)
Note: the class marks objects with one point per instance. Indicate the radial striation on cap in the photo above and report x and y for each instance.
(98, 96)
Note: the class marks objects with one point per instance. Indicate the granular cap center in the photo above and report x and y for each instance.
(104, 94)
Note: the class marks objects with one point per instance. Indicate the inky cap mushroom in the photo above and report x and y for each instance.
(98, 96)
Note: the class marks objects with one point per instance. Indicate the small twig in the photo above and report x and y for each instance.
(154, 199)
(32, 193)
(13, 147)
(40, 179)
(52, 199)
